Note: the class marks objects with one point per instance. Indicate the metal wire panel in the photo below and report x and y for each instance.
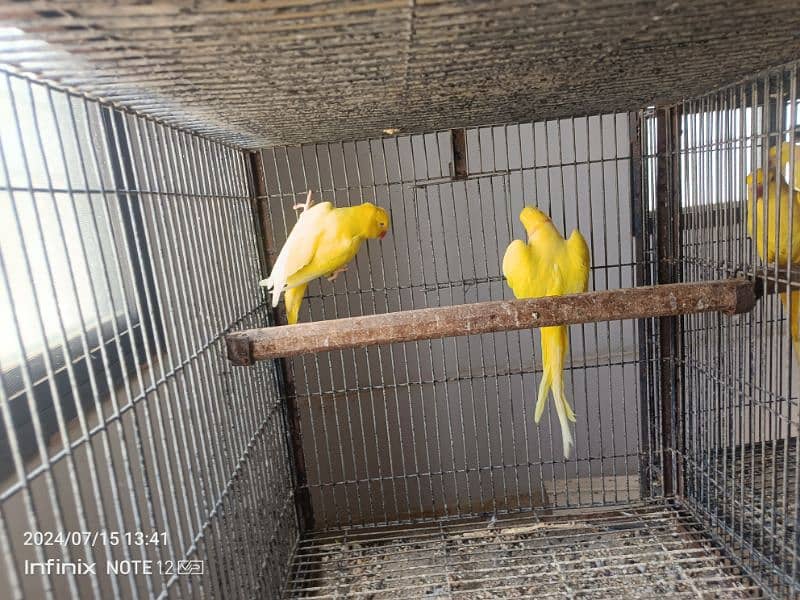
(643, 551)
(445, 427)
(128, 250)
(740, 378)
(279, 72)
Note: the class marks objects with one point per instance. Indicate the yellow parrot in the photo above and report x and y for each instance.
(549, 265)
(784, 253)
(321, 243)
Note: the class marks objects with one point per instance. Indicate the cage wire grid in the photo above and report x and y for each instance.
(131, 251)
(639, 551)
(394, 63)
(442, 428)
(740, 375)
(732, 458)
(134, 249)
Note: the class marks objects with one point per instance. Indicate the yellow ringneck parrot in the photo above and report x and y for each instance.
(321, 243)
(786, 251)
(549, 265)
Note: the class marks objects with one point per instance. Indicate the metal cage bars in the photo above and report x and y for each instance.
(740, 380)
(387, 431)
(155, 433)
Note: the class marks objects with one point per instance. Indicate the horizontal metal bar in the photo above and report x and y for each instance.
(732, 297)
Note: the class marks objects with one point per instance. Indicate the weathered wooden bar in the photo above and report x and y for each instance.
(729, 296)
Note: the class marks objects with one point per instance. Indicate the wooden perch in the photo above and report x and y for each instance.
(731, 296)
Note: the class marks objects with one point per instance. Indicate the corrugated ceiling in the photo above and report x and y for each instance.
(286, 71)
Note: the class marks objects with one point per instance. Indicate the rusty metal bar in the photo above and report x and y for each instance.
(640, 219)
(668, 248)
(459, 140)
(731, 296)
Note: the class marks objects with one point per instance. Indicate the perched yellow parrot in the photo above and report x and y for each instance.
(787, 251)
(321, 243)
(549, 265)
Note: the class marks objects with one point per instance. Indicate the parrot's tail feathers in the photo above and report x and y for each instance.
(554, 348)
(565, 415)
(293, 299)
(276, 295)
(544, 388)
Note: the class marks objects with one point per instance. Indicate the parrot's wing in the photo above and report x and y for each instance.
(299, 248)
(518, 268)
(578, 253)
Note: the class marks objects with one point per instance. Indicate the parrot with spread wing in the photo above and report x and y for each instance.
(321, 243)
(783, 246)
(549, 265)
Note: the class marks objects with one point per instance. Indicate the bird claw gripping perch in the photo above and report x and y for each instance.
(305, 205)
(332, 277)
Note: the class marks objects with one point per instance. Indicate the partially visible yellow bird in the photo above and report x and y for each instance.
(779, 246)
(321, 243)
(549, 265)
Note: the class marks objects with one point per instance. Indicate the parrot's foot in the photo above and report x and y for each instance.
(336, 273)
(306, 205)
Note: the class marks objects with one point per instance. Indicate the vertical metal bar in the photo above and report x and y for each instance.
(571, 368)
(617, 161)
(501, 462)
(525, 420)
(640, 216)
(459, 147)
(506, 199)
(668, 246)
(607, 326)
(594, 269)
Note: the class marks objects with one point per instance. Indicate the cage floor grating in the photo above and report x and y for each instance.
(756, 484)
(634, 551)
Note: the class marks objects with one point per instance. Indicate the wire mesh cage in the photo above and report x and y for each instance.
(138, 458)
(125, 431)
(445, 427)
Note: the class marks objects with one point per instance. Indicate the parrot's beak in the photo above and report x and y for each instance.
(382, 235)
